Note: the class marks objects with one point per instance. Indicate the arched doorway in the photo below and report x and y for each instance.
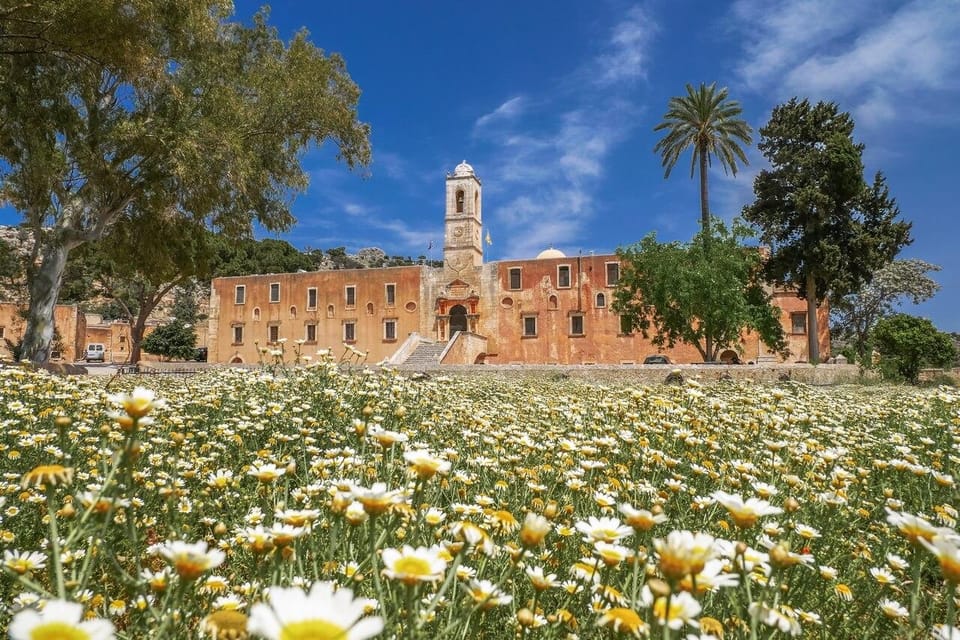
(729, 357)
(458, 319)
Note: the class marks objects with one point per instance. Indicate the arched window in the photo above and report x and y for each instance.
(601, 300)
(459, 200)
(553, 302)
(329, 310)
(369, 308)
(256, 313)
(293, 312)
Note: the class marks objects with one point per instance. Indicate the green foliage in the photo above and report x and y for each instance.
(828, 230)
(185, 307)
(248, 256)
(161, 108)
(854, 315)
(708, 124)
(689, 293)
(908, 343)
(173, 340)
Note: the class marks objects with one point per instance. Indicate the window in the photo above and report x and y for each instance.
(293, 312)
(529, 326)
(350, 331)
(613, 273)
(626, 327)
(601, 301)
(273, 333)
(274, 292)
(576, 325)
(390, 292)
(369, 308)
(459, 200)
(798, 322)
(240, 294)
(515, 278)
(237, 334)
(390, 329)
(563, 276)
(311, 335)
(350, 294)
(330, 310)
(256, 313)
(312, 298)
(554, 302)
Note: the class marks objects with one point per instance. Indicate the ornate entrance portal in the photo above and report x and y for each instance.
(458, 319)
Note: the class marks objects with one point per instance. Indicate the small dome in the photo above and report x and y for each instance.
(463, 169)
(550, 253)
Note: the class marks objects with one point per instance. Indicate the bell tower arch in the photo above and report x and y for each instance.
(462, 240)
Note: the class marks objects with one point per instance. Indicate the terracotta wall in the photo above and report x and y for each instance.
(67, 319)
(291, 315)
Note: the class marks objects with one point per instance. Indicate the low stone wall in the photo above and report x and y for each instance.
(824, 374)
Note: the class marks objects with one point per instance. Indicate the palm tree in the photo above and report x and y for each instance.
(709, 124)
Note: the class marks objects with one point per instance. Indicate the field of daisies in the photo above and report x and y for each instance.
(312, 503)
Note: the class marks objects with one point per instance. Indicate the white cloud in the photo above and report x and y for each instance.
(626, 55)
(878, 62)
(506, 111)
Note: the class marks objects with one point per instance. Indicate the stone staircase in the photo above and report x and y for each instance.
(426, 355)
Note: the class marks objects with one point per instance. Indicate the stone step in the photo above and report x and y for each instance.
(426, 354)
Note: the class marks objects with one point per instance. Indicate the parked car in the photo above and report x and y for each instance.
(658, 358)
(95, 352)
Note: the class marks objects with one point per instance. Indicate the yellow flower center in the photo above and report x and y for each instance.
(315, 629)
(58, 631)
(623, 620)
(411, 566)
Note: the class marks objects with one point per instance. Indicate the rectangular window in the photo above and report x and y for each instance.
(311, 333)
(312, 298)
(613, 273)
(798, 322)
(515, 278)
(349, 331)
(3, 332)
(273, 333)
(237, 334)
(240, 294)
(390, 292)
(626, 327)
(350, 294)
(390, 329)
(576, 325)
(563, 276)
(529, 326)
(274, 292)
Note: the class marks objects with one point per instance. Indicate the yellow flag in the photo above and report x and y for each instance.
(489, 239)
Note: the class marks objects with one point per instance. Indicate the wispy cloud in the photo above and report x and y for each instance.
(548, 152)
(506, 111)
(880, 61)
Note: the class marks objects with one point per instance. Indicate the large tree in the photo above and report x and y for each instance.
(854, 315)
(703, 293)
(158, 107)
(908, 343)
(828, 230)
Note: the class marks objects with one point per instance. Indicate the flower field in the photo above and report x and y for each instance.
(309, 503)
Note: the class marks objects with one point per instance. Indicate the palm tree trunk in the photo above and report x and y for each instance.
(813, 330)
(705, 227)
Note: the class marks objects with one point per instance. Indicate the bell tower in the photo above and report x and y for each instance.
(462, 240)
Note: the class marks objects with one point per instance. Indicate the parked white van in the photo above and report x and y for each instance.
(95, 352)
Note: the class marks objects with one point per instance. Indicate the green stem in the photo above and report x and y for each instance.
(56, 567)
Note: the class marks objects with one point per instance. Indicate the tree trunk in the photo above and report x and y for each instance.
(38, 336)
(705, 226)
(136, 337)
(813, 329)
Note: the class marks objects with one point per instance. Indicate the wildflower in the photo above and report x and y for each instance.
(711, 578)
(266, 472)
(487, 595)
(225, 624)
(474, 536)
(535, 529)
(843, 591)
(611, 554)
(24, 562)
(434, 516)
(641, 519)
(137, 404)
(377, 499)
(191, 560)
(775, 617)
(911, 526)
(883, 575)
(682, 608)
(603, 529)
(945, 632)
(893, 609)
(425, 465)
(47, 474)
(625, 621)
(411, 566)
(745, 513)
(540, 581)
(117, 607)
(323, 613)
(948, 553)
(58, 619)
(502, 522)
(805, 531)
(683, 553)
